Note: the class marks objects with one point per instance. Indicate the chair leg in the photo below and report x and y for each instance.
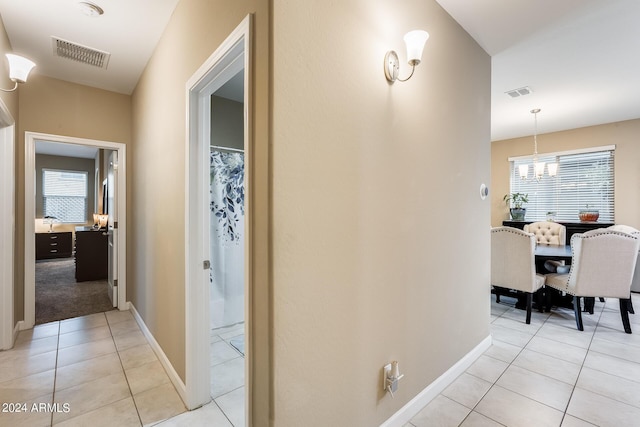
(578, 312)
(547, 299)
(529, 298)
(589, 303)
(630, 306)
(540, 299)
(624, 313)
(601, 299)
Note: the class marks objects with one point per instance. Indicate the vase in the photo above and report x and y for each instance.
(517, 214)
(588, 215)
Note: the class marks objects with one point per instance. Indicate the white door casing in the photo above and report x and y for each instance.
(112, 227)
(7, 226)
(232, 56)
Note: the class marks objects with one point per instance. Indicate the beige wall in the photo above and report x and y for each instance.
(10, 100)
(380, 238)
(57, 107)
(227, 119)
(71, 164)
(157, 285)
(624, 135)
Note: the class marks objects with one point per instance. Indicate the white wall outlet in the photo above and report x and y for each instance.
(386, 373)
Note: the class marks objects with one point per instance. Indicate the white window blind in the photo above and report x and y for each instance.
(65, 195)
(584, 181)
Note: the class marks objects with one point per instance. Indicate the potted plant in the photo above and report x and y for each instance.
(517, 200)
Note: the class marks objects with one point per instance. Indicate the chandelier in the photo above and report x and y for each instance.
(538, 166)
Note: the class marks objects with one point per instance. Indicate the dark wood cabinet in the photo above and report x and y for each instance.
(53, 245)
(91, 254)
(572, 227)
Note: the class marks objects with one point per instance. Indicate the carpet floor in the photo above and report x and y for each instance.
(59, 296)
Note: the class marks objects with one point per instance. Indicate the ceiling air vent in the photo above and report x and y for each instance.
(79, 53)
(519, 92)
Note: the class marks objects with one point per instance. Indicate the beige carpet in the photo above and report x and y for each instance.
(59, 296)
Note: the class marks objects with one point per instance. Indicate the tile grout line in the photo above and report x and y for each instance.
(497, 379)
(564, 413)
(573, 389)
(124, 372)
(55, 373)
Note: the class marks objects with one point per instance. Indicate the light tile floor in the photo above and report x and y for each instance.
(94, 370)
(227, 372)
(547, 373)
(99, 370)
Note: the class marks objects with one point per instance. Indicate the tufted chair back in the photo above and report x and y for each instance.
(635, 283)
(547, 232)
(603, 263)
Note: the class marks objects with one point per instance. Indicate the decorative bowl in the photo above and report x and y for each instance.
(588, 215)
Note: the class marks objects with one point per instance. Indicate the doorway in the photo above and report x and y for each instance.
(221, 305)
(119, 227)
(7, 226)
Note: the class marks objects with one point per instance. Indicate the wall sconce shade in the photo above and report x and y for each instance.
(415, 41)
(19, 69)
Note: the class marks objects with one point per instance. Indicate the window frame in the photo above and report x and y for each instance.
(553, 188)
(85, 197)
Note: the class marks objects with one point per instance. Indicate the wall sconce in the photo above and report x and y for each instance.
(415, 41)
(19, 69)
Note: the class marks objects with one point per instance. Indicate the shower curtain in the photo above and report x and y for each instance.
(227, 238)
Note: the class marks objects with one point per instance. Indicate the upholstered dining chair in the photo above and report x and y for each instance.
(602, 265)
(549, 233)
(513, 263)
(635, 283)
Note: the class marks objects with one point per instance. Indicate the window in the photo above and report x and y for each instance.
(65, 195)
(585, 180)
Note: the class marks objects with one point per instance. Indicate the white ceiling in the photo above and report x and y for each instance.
(66, 150)
(128, 30)
(580, 57)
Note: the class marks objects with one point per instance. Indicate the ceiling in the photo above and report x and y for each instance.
(128, 30)
(66, 150)
(579, 57)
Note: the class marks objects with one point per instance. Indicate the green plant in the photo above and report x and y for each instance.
(516, 198)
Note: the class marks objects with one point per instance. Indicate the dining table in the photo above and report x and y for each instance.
(556, 253)
(553, 252)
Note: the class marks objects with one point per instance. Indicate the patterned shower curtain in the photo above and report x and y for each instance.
(227, 238)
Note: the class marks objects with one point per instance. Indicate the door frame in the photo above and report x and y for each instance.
(223, 64)
(30, 139)
(7, 226)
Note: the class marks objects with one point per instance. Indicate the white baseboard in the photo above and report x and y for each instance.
(423, 398)
(164, 360)
(19, 327)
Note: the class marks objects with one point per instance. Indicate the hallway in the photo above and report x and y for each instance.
(94, 370)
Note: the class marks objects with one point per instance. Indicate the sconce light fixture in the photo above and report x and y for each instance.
(415, 41)
(19, 69)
